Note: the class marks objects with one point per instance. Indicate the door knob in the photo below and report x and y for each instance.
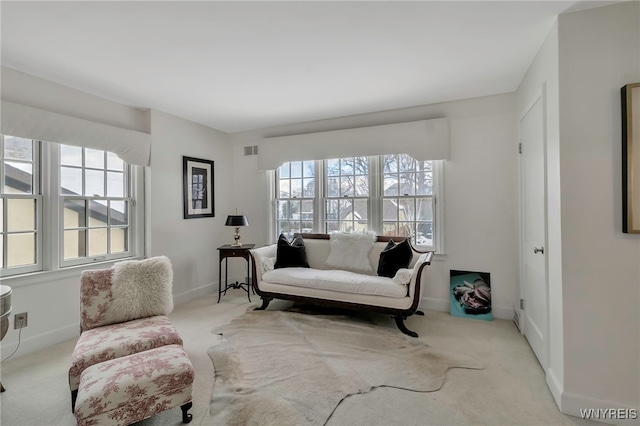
(538, 250)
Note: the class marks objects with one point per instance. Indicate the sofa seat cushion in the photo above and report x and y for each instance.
(336, 280)
(129, 389)
(118, 340)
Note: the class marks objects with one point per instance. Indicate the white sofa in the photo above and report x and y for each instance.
(323, 286)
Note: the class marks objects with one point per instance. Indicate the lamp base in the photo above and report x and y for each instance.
(236, 237)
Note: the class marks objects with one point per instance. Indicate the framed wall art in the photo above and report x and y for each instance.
(197, 176)
(631, 158)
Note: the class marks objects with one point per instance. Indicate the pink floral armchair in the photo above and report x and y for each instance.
(123, 311)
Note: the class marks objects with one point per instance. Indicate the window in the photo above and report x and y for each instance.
(347, 194)
(390, 194)
(94, 196)
(83, 213)
(295, 193)
(21, 205)
(407, 200)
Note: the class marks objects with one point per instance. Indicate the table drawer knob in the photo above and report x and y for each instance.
(233, 253)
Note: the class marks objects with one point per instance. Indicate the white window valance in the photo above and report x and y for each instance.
(423, 140)
(27, 122)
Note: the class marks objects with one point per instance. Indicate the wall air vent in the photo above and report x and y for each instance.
(251, 150)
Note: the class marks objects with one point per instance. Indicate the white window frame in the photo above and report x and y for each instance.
(295, 198)
(35, 195)
(374, 214)
(369, 197)
(50, 254)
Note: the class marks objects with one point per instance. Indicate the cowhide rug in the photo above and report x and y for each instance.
(287, 368)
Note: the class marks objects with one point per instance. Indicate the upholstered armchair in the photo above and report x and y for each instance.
(123, 311)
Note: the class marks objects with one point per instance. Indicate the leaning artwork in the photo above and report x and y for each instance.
(470, 295)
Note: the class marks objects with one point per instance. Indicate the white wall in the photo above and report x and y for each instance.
(542, 77)
(599, 52)
(480, 190)
(52, 299)
(190, 243)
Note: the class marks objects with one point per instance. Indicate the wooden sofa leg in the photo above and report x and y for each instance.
(186, 417)
(403, 328)
(265, 303)
(74, 396)
(420, 313)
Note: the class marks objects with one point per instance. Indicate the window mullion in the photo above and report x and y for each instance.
(53, 205)
(375, 198)
(319, 202)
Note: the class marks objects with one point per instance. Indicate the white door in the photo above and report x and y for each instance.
(533, 250)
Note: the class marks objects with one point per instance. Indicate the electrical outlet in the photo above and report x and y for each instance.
(20, 321)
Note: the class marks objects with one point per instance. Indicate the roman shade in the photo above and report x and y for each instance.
(27, 122)
(423, 140)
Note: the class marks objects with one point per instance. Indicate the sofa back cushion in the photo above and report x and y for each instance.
(350, 251)
(318, 250)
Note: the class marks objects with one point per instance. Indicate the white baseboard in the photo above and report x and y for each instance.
(555, 386)
(443, 305)
(42, 341)
(572, 404)
(194, 293)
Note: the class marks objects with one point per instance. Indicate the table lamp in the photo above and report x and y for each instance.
(237, 221)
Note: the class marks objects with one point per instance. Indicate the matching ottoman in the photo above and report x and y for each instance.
(113, 341)
(126, 390)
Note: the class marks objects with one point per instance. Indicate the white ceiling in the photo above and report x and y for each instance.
(238, 66)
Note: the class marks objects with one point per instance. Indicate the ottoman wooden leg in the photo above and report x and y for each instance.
(186, 417)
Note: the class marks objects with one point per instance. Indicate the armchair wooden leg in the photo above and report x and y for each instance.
(186, 417)
(74, 396)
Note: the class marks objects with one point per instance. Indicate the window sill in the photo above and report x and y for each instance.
(35, 278)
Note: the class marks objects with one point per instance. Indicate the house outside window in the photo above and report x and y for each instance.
(393, 195)
(85, 212)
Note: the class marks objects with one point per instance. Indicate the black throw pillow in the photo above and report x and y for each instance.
(291, 255)
(393, 257)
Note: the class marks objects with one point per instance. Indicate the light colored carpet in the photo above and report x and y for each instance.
(510, 390)
(289, 368)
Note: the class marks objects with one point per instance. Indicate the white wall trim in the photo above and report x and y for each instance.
(442, 305)
(194, 293)
(572, 404)
(43, 340)
(555, 387)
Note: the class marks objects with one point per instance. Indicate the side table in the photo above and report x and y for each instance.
(226, 252)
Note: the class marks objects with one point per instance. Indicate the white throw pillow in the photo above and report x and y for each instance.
(403, 276)
(267, 264)
(350, 251)
(140, 289)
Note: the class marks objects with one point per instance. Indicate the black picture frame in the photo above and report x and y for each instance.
(630, 95)
(197, 188)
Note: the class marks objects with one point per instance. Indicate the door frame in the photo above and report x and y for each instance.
(540, 95)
